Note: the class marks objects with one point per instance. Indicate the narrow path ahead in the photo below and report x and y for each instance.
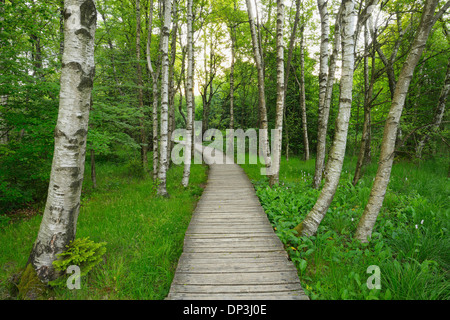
(230, 250)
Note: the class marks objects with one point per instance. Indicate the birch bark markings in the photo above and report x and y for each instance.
(274, 178)
(155, 77)
(58, 226)
(323, 74)
(336, 157)
(189, 97)
(163, 160)
(367, 221)
(140, 86)
(263, 136)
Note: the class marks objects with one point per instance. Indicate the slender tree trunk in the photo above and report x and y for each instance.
(323, 74)
(274, 178)
(143, 137)
(58, 226)
(303, 96)
(256, 45)
(155, 93)
(163, 161)
(233, 44)
(364, 151)
(172, 89)
(439, 112)
(334, 166)
(288, 68)
(189, 97)
(367, 221)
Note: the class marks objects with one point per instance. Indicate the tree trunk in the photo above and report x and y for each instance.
(263, 125)
(288, 67)
(367, 222)
(189, 97)
(364, 151)
(172, 89)
(323, 74)
(274, 178)
(303, 96)
(163, 161)
(439, 112)
(233, 44)
(143, 137)
(58, 226)
(155, 93)
(336, 158)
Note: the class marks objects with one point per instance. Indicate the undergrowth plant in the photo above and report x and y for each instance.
(409, 244)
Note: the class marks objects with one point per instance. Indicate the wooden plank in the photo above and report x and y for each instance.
(293, 295)
(244, 278)
(235, 266)
(221, 289)
(230, 248)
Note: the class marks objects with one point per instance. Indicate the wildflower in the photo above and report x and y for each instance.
(421, 222)
(417, 226)
(352, 219)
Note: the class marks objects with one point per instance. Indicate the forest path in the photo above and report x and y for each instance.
(230, 249)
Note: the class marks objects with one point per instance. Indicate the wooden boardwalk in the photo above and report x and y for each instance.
(230, 249)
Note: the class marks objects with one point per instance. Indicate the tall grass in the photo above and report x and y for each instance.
(144, 233)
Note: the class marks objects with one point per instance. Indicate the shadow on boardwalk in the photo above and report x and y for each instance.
(230, 250)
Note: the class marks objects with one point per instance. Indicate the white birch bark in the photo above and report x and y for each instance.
(155, 92)
(189, 98)
(367, 221)
(58, 226)
(303, 96)
(323, 74)
(276, 152)
(336, 157)
(163, 161)
(263, 134)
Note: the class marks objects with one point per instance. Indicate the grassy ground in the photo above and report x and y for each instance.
(144, 233)
(410, 243)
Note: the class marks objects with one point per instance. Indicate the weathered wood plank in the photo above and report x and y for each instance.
(290, 295)
(235, 266)
(230, 248)
(244, 278)
(215, 289)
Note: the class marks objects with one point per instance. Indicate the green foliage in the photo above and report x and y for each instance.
(84, 253)
(410, 242)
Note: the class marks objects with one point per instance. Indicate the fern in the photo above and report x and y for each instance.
(84, 253)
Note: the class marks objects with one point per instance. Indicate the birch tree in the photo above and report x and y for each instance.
(274, 178)
(163, 160)
(337, 152)
(140, 86)
(370, 214)
(59, 222)
(154, 73)
(189, 97)
(256, 46)
(323, 74)
(303, 95)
